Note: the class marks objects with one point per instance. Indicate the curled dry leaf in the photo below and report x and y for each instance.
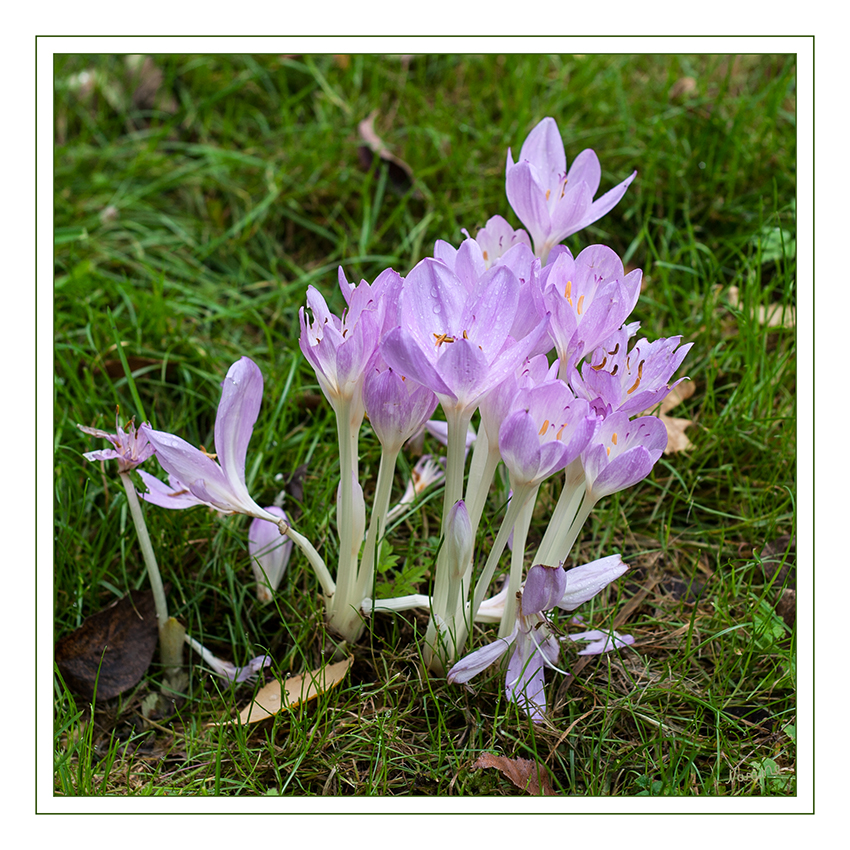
(400, 173)
(273, 697)
(527, 775)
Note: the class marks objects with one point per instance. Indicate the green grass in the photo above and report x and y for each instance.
(225, 210)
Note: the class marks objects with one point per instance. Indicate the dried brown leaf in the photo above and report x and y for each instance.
(112, 649)
(682, 87)
(400, 173)
(527, 775)
(297, 689)
(677, 440)
(771, 316)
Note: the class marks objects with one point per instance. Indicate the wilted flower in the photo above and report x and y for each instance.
(130, 447)
(534, 641)
(535, 646)
(228, 670)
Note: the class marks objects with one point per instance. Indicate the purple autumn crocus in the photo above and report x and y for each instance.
(548, 430)
(454, 342)
(340, 350)
(622, 453)
(220, 485)
(130, 447)
(534, 639)
(618, 379)
(551, 202)
(397, 407)
(269, 552)
(589, 298)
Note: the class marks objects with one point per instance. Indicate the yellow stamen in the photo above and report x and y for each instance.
(614, 370)
(600, 365)
(548, 192)
(543, 428)
(580, 303)
(484, 254)
(441, 338)
(205, 452)
(560, 431)
(614, 438)
(567, 291)
(616, 349)
(608, 449)
(465, 335)
(637, 382)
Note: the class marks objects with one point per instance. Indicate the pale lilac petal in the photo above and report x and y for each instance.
(526, 677)
(544, 148)
(608, 201)
(241, 396)
(569, 213)
(173, 496)
(472, 664)
(403, 354)
(585, 167)
(463, 368)
(527, 197)
(584, 582)
(519, 446)
(602, 641)
(270, 553)
(544, 589)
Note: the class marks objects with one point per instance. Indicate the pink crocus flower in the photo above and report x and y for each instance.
(221, 484)
(552, 202)
(454, 342)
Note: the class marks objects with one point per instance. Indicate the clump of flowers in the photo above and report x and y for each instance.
(529, 354)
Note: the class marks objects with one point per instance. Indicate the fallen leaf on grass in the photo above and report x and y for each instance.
(400, 173)
(273, 697)
(111, 649)
(771, 316)
(677, 440)
(525, 774)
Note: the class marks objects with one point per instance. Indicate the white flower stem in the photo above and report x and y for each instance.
(458, 424)
(314, 559)
(517, 560)
(154, 576)
(170, 630)
(396, 603)
(346, 576)
(378, 520)
(563, 515)
(517, 503)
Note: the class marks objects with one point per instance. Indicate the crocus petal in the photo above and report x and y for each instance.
(608, 201)
(527, 197)
(584, 582)
(174, 495)
(544, 148)
(472, 664)
(544, 589)
(270, 552)
(241, 396)
(519, 447)
(525, 678)
(585, 167)
(602, 641)
(402, 353)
